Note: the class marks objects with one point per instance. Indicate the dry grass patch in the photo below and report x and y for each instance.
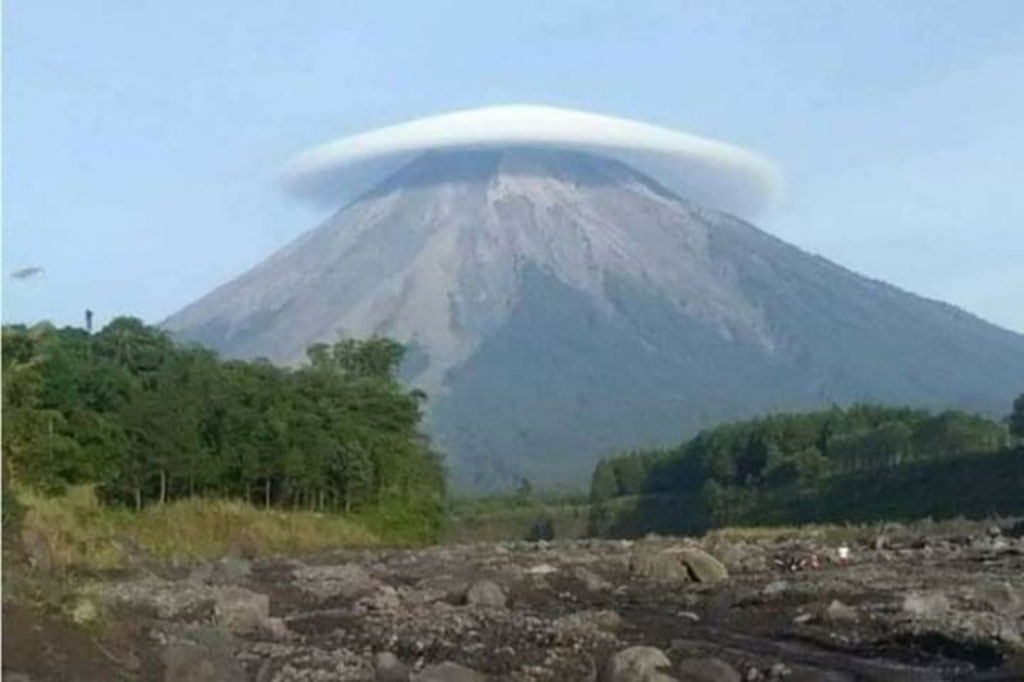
(75, 532)
(205, 529)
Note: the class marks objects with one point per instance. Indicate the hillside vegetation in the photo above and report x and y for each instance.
(858, 464)
(150, 422)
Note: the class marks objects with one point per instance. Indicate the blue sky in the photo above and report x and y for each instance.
(141, 139)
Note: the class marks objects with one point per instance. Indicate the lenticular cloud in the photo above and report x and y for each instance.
(711, 173)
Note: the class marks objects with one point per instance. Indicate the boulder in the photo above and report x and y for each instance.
(165, 598)
(925, 604)
(185, 662)
(227, 571)
(384, 599)
(589, 621)
(659, 566)
(275, 630)
(776, 588)
(838, 612)
(240, 611)
(449, 672)
(348, 581)
(542, 569)
(389, 669)
(707, 670)
(702, 566)
(636, 664)
(485, 593)
(998, 596)
(85, 611)
(591, 581)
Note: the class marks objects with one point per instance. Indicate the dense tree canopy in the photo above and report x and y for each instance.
(796, 449)
(150, 420)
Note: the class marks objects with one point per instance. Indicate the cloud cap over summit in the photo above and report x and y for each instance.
(708, 172)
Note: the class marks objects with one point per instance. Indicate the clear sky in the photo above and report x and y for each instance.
(141, 139)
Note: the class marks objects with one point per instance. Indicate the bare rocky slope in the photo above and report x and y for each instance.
(560, 306)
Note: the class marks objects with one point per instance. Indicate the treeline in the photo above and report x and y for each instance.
(728, 466)
(149, 421)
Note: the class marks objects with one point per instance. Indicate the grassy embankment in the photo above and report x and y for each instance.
(74, 533)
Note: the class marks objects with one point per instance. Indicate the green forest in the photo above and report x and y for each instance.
(147, 421)
(150, 421)
(861, 462)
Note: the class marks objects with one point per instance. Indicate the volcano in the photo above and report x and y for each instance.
(560, 305)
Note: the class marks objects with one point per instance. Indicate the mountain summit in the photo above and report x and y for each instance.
(559, 306)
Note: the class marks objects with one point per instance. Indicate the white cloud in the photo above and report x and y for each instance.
(708, 172)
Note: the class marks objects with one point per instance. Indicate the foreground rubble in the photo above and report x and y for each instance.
(900, 606)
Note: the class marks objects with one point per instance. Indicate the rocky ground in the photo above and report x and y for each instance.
(902, 606)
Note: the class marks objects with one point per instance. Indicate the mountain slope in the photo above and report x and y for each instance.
(561, 306)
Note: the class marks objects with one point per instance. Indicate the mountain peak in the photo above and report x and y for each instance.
(484, 165)
(559, 305)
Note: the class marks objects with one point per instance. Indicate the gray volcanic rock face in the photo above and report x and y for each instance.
(560, 306)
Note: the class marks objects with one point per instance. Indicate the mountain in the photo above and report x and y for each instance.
(560, 306)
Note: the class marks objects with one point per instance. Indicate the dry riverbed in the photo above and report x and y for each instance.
(906, 605)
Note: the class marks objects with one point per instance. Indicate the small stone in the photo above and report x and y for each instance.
(707, 670)
(485, 593)
(779, 671)
(803, 618)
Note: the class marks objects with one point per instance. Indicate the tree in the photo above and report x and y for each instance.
(1017, 417)
(603, 485)
(150, 421)
(525, 489)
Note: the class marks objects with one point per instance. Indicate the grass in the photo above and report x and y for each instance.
(74, 532)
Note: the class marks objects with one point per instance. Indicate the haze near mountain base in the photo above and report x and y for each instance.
(560, 306)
